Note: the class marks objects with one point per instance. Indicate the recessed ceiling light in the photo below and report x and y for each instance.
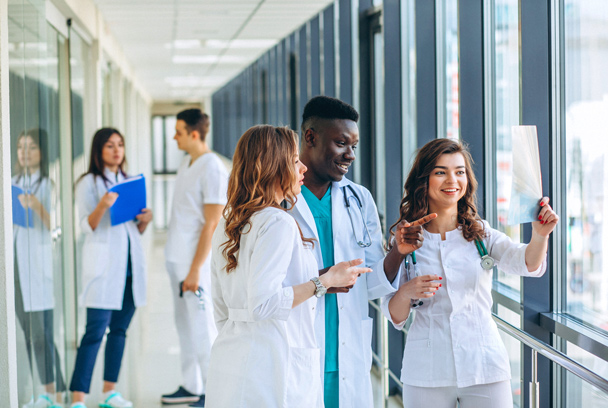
(240, 43)
(184, 44)
(207, 59)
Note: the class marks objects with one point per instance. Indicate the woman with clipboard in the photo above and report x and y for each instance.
(113, 268)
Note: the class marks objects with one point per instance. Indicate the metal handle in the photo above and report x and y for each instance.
(534, 385)
(56, 235)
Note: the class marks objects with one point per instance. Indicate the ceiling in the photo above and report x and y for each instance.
(183, 50)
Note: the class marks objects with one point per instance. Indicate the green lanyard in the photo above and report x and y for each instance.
(487, 262)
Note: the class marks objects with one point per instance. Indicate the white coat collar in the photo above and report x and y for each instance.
(302, 208)
(113, 178)
(337, 202)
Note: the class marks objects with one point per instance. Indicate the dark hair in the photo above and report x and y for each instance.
(415, 205)
(326, 107)
(96, 165)
(195, 120)
(40, 138)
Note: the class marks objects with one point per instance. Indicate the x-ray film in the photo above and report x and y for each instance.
(526, 188)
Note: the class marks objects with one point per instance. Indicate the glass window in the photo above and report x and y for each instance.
(513, 347)
(408, 75)
(448, 69)
(506, 113)
(379, 182)
(586, 175)
(580, 393)
(37, 89)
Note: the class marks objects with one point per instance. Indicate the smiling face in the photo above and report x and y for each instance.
(28, 153)
(113, 153)
(447, 182)
(331, 148)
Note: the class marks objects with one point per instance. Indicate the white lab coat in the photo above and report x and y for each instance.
(33, 249)
(453, 340)
(355, 330)
(265, 354)
(105, 251)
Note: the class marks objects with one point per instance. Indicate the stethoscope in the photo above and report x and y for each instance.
(411, 270)
(33, 189)
(347, 203)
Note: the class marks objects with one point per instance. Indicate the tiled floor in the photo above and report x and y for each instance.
(151, 364)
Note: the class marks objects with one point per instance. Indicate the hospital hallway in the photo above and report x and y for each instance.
(521, 85)
(151, 362)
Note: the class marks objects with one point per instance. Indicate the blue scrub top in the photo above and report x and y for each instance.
(321, 211)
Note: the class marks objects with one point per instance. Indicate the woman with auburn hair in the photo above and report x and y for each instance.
(264, 277)
(453, 351)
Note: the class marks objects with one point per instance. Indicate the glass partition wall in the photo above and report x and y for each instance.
(37, 79)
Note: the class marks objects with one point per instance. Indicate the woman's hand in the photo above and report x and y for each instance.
(420, 287)
(145, 216)
(29, 201)
(343, 274)
(547, 219)
(108, 200)
(144, 219)
(408, 236)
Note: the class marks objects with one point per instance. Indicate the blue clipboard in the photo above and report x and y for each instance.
(19, 214)
(131, 199)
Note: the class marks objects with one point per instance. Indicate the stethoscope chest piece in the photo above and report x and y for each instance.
(487, 262)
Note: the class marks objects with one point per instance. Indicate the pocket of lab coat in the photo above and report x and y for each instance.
(367, 327)
(417, 356)
(94, 260)
(303, 378)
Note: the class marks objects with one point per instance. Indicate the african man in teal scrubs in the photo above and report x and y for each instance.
(321, 211)
(343, 327)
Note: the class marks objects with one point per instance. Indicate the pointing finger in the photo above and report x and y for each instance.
(424, 220)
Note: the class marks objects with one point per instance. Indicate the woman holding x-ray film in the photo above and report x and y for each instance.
(453, 351)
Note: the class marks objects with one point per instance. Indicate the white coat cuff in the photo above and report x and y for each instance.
(384, 306)
(85, 227)
(384, 287)
(285, 303)
(538, 272)
(517, 264)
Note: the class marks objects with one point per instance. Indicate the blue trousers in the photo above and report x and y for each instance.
(98, 320)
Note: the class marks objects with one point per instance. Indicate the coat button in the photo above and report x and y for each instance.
(286, 292)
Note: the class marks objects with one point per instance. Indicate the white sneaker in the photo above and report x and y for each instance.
(113, 399)
(43, 401)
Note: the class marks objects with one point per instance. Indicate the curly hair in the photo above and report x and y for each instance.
(263, 160)
(415, 205)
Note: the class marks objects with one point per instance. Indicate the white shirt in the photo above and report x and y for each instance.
(203, 182)
(33, 248)
(355, 328)
(105, 250)
(265, 354)
(453, 340)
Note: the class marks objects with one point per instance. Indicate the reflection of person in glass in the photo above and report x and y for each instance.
(34, 300)
(113, 268)
(453, 350)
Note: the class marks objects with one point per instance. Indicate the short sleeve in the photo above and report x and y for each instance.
(401, 279)
(215, 183)
(510, 256)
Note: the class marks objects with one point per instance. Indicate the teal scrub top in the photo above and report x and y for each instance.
(321, 211)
